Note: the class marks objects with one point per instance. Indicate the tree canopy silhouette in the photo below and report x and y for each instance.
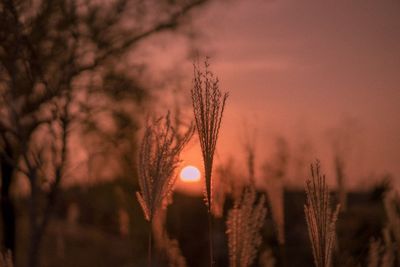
(60, 63)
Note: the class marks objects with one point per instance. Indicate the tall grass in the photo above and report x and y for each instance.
(158, 159)
(275, 171)
(6, 259)
(321, 222)
(164, 243)
(341, 181)
(244, 223)
(381, 254)
(208, 107)
(267, 258)
(391, 202)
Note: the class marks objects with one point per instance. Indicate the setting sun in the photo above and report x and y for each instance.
(190, 174)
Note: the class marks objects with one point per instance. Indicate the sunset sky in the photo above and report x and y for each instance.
(301, 69)
(97, 108)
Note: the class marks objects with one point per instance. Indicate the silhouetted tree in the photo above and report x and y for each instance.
(60, 63)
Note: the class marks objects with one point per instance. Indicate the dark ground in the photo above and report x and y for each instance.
(94, 239)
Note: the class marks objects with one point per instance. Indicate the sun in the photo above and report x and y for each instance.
(190, 174)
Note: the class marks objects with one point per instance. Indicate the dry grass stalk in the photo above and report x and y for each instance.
(275, 190)
(208, 106)
(6, 259)
(275, 173)
(168, 246)
(341, 181)
(381, 255)
(222, 189)
(267, 258)
(228, 182)
(278, 206)
(391, 202)
(375, 249)
(243, 228)
(321, 222)
(249, 146)
(158, 159)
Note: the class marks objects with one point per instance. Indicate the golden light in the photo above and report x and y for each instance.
(190, 174)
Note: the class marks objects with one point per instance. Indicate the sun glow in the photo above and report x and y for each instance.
(190, 174)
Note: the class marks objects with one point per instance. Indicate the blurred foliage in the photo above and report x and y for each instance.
(381, 187)
(96, 230)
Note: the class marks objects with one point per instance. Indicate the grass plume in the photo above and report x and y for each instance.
(244, 223)
(321, 222)
(208, 107)
(158, 159)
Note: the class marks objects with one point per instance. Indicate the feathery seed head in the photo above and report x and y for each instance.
(321, 222)
(208, 107)
(158, 159)
(244, 223)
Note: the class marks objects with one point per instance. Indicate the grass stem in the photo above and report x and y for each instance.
(149, 246)
(210, 239)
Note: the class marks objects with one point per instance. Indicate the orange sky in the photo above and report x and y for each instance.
(300, 69)
(297, 69)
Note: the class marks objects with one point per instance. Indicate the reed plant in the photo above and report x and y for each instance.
(244, 223)
(392, 205)
(267, 258)
(275, 172)
(381, 254)
(169, 247)
(321, 221)
(6, 259)
(208, 107)
(158, 159)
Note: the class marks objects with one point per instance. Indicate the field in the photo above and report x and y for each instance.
(94, 239)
